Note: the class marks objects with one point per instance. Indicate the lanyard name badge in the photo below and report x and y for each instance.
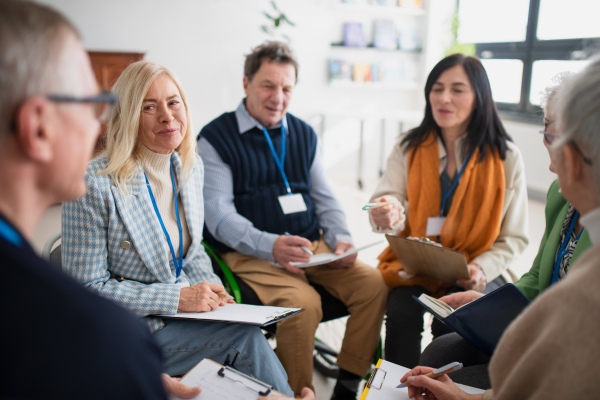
(177, 261)
(10, 234)
(290, 203)
(564, 249)
(434, 224)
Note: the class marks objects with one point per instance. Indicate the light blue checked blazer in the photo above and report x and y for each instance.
(140, 277)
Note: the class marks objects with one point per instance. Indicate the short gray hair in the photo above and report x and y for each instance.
(548, 101)
(31, 40)
(578, 114)
(278, 52)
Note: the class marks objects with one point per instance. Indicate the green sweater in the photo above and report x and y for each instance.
(540, 275)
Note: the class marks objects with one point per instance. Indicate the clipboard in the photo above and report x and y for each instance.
(384, 379)
(419, 257)
(220, 382)
(246, 314)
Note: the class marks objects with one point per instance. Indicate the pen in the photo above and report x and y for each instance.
(455, 366)
(369, 206)
(307, 251)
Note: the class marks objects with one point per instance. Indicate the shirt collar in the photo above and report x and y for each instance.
(246, 121)
(591, 222)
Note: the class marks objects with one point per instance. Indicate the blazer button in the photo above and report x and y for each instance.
(125, 244)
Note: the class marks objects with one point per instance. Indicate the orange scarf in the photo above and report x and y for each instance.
(473, 221)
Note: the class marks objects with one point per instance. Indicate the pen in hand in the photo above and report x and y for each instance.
(455, 366)
(306, 250)
(370, 206)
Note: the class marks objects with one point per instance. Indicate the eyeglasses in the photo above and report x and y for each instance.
(548, 137)
(102, 102)
(586, 160)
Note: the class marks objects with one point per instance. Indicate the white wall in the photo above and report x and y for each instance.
(204, 42)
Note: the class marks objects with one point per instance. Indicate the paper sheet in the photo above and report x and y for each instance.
(388, 390)
(215, 387)
(325, 258)
(239, 313)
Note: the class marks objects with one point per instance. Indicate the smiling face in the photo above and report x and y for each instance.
(163, 121)
(269, 92)
(452, 101)
(550, 128)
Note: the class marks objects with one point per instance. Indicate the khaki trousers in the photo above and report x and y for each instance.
(360, 287)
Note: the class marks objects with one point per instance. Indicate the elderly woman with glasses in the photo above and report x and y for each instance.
(563, 242)
(135, 237)
(551, 350)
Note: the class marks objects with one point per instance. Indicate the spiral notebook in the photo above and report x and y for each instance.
(246, 314)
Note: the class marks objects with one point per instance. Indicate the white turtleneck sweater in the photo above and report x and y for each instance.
(158, 170)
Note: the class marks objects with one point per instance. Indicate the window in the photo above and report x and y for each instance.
(524, 43)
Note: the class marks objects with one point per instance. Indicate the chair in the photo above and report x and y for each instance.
(324, 357)
(51, 250)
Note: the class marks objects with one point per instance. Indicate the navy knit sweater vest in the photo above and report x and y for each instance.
(257, 182)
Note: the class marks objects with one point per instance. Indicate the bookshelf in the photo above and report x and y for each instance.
(380, 46)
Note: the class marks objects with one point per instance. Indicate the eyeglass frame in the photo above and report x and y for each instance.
(547, 135)
(103, 97)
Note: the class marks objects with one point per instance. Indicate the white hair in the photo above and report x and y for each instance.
(578, 115)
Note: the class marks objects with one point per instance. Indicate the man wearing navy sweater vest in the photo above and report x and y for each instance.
(266, 196)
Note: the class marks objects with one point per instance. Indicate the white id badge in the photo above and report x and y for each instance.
(292, 203)
(434, 226)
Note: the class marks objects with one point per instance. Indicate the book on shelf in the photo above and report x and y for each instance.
(408, 38)
(483, 321)
(410, 3)
(384, 34)
(354, 34)
(339, 70)
(361, 72)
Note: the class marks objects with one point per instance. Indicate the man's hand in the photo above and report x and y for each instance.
(202, 297)
(387, 216)
(307, 394)
(477, 281)
(340, 248)
(441, 388)
(287, 249)
(174, 386)
(458, 299)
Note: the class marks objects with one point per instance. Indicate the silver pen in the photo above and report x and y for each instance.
(306, 250)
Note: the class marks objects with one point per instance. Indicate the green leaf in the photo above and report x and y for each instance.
(277, 21)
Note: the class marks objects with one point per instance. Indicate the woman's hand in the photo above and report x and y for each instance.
(458, 299)
(387, 216)
(174, 386)
(202, 297)
(476, 282)
(425, 388)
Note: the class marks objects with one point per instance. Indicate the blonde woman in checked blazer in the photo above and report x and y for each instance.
(142, 214)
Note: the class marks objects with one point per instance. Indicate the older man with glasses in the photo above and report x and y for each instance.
(60, 341)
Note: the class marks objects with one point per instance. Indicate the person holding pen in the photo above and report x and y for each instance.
(560, 247)
(135, 236)
(265, 178)
(551, 350)
(459, 180)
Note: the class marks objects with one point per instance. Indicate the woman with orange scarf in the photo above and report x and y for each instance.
(459, 180)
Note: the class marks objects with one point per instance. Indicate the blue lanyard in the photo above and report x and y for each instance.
(178, 265)
(279, 161)
(9, 233)
(564, 249)
(446, 194)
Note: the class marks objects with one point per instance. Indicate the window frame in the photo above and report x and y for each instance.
(528, 52)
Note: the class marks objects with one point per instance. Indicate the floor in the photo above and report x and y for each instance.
(344, 184)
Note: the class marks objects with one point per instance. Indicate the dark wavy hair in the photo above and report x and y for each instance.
(485, 129)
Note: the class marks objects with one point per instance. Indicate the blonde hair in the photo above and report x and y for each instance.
(122, 144)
